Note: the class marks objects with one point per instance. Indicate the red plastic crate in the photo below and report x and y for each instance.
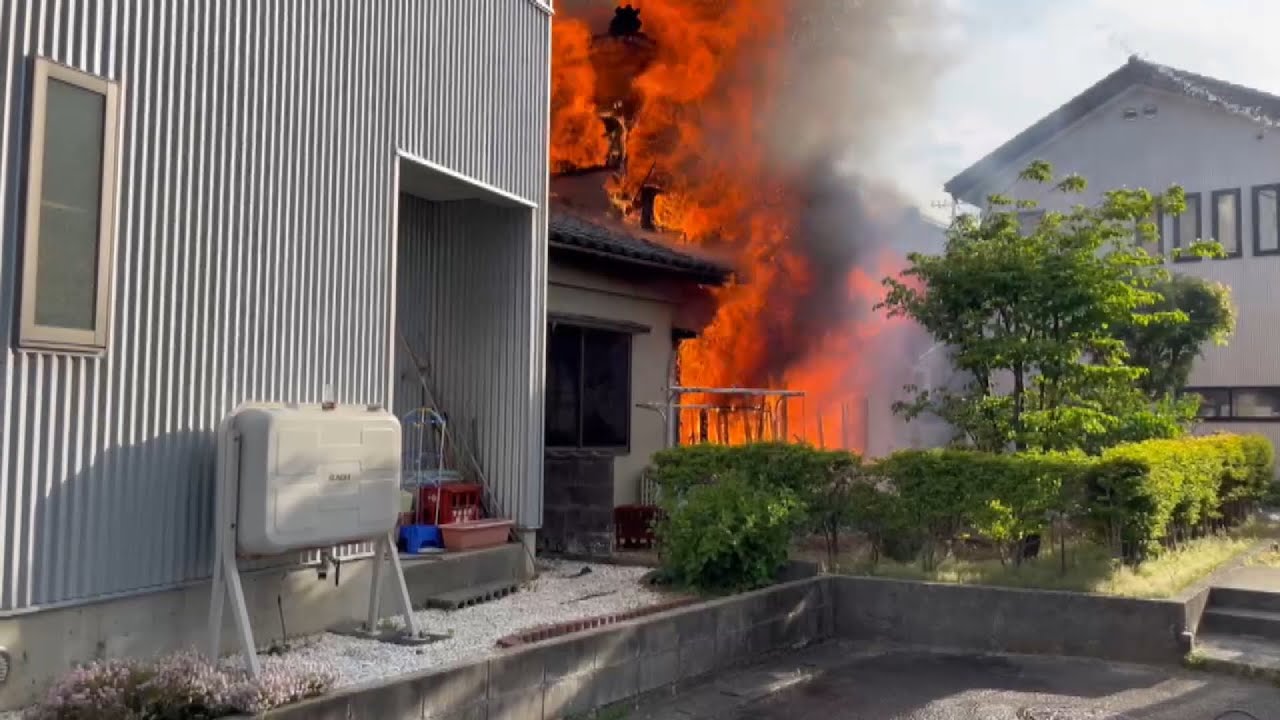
(633, 526)
(459, 502)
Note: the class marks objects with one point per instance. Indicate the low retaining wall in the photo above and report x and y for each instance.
(1009, 620)
(575, 674)
(570, 676)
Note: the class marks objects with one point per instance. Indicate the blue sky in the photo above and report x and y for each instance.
(1013, 61)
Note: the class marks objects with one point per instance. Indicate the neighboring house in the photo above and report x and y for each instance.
(1147, 125)
(619, 301)
(205, 202)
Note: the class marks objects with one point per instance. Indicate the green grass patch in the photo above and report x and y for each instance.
(1089, 568)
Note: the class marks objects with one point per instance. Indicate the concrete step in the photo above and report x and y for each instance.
(1238, 621)
(473, 595)
(1245, 656)
(433, 575)
(1239, 598)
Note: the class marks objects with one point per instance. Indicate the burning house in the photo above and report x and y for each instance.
(699, 121)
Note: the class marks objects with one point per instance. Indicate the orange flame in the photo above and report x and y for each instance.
(697, 88)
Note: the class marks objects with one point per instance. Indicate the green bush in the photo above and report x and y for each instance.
(796, 467)
(819, 481)
(1254, 486)
(1142, 496)
(729, 535)
(939, 494)
(1135, 498)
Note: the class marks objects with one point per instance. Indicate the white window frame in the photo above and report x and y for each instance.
(32, 335)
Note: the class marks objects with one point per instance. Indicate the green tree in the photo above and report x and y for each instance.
(1031, 317)
(1199, 312)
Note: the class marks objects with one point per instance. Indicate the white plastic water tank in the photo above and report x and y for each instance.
(311, 477)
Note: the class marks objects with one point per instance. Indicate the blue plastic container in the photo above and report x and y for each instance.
(413, 538)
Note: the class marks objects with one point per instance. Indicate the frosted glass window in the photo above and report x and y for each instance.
(71, 198)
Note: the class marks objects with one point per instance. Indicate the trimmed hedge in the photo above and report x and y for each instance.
(792, 466)
(1144, 495)
(939, 494)
(1135, 498)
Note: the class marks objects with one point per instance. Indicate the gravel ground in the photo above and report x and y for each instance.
(558, 594)
(555, 596)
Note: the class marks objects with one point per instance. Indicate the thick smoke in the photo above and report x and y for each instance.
(856, 72)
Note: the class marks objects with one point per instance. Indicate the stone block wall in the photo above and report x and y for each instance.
(577, 509)
(570, 676)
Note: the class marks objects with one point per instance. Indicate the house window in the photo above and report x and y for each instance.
(1266, 220)
(70, 211)
(588, 388)
(1029, 220)
(1186, 227)
(1153, 245)
(1214, 402)
(1243, 403)
(1226, 220)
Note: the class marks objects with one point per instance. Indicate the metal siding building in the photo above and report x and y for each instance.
(261, 147)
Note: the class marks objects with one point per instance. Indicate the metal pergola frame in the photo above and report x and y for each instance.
(670, 408)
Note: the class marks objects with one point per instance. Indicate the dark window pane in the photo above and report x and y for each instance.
(564, 375)
(606, 390)
(1256, 402)
(1226, 229)
(1268, 228)
(1214, 403)
(70, 197)
(1187, 225)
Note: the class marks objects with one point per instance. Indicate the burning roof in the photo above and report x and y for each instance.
(575, 232)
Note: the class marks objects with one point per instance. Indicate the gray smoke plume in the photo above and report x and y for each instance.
(856, 72)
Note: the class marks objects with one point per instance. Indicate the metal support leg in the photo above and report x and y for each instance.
(217, 599)
(240, 612)
(375, 590)
(402, 589)
(385, 552)
(226, 576)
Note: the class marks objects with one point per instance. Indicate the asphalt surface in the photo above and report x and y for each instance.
(909, 685)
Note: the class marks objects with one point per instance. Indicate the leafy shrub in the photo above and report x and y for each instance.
(1144, 495)
(821, 480)
(797, 467)
(1252, 486)
(1003, 497)
(729, 535)
(182, 686)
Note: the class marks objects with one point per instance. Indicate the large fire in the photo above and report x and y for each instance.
(698, 90)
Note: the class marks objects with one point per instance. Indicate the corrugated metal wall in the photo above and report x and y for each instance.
(254, 241)
(454, 308)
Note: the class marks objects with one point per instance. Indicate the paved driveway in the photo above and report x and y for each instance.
(907, 685)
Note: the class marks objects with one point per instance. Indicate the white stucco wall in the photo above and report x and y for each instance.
(1203, 149)
(576, 292)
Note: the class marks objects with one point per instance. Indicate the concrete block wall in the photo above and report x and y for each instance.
(1010, 620)
(572, 675)
(578, 501)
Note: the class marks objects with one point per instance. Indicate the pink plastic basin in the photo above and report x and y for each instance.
(474, 534)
